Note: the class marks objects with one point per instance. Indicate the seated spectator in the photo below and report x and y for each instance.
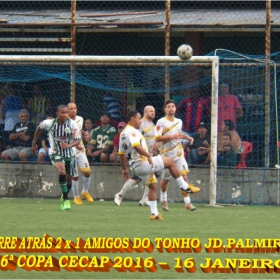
(89, 130)
(198, 151)
(21, 137)
(101, 144)
(228, 127)
(114, 156)
(226, 155)
(45, 145)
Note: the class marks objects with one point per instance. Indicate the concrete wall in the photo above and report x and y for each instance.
(257, 186)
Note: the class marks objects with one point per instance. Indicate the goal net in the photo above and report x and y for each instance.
(119, 84)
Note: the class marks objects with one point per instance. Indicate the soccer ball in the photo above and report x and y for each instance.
(185, 52)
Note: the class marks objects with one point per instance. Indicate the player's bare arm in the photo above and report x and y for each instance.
(73, 144)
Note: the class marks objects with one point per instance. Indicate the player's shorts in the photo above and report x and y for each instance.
(82, 164)
(146, 173)
(182, 166)
(13, 152)
(69, 163)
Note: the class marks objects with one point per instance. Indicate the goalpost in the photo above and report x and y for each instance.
(132, 61)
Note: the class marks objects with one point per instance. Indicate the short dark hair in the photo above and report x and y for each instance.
(227, 134)
(131, 114)
(230, 124)
(168, 102)
(61, 107)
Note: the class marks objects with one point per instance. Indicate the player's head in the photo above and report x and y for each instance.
(105, 118)
(62, 113)
(134, 119)
(23, 116)
(227, 125)
(169, 107)
(149, 112)
(72, 110)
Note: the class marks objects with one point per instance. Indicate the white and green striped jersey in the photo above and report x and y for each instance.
(67, 132)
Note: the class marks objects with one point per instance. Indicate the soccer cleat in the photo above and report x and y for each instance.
(191, 189)
(78, 201)
(144, 203)
(158, 217)
(164, 206)
(62, 202)
(67, 205)
(118, 199)
(87, 196)
(190, 207)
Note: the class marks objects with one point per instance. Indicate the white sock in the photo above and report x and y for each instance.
(129, 184)
(187, 200)
(153, 206)
(86, 182)
(75, 188)
(163, 196)
(182, 183)
(146, 194)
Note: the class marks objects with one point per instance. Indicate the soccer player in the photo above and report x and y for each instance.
(81, 160)
(64, 135)
(147, 128)
(134, 146)
(169, 137)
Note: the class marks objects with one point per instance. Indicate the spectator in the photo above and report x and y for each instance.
(21, 138)
(228, 106)
(198, 151)
(11, 106)
(228, 127)
(38, 105)
(89, 130)
(114, 156)
(45, 144)
(226, 155)
(193, 109)
(2, 119)
(101, 144)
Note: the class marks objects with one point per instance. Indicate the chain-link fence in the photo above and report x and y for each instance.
(249, 29)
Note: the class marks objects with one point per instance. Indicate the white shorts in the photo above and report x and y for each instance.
(182, 166)
(82, 163)
(146, 172)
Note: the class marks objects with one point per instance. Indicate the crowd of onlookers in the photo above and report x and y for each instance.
(18, 124)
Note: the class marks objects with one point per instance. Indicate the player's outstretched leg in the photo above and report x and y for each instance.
(155, 215)
(163, 194)
(145, 199)
(128, 185)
